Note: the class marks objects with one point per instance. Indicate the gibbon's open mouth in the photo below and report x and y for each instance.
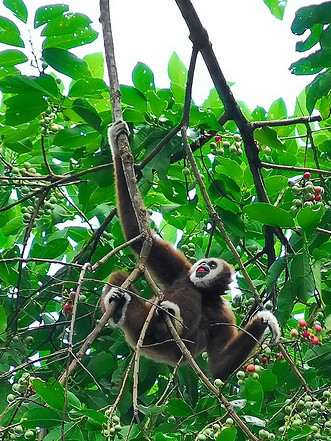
(202, 271)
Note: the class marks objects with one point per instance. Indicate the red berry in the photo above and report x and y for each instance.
(313, 198)
(72, 295)
(306, 175)
(317, 327)
(318, 189)
(318, 197)
(302, 323)
(280, 356)
(264, 360)
(306, 334)
(67, 308)
(250, 368)
(315, 341)
(218, 138)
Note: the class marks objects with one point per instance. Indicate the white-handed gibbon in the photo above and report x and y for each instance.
(192, 297)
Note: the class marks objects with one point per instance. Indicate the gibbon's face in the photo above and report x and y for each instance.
(211, 272)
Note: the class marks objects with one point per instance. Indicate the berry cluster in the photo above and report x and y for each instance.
(218, 146)
(113, 424)
(68, 307)
(213, 430)
(48, 127)
(305, 192)
(21, 389)
(310, 334)
(309, 411)
(189, 249)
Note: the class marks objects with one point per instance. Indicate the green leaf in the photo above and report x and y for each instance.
(143, 77)
(41, 417)
(277, 110)
(8, 59)
(96, 64)
(47, 13)
(253, 392)
(268, 380)
(68, 31)
(66, 63)
(45, 85)
(133, 97)
(269, 215)
(100, 364)
(277, 7)
(227, 434)
(88, 87)
(269, 137)
(274, 272)
(308, 16)
(3, 322)
(177, 71)
(285, 303)
(179, 408)
(18, 8)
(302, 279)
(71, 432)
(52, 393)
(9, 33)
(309, 217)
(54, 248)
(78, 137)
(24, 107)
(229, 167)
(88, 113)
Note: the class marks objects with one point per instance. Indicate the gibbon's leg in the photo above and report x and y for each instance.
(165, 262)
(225, 361)
(131, 311)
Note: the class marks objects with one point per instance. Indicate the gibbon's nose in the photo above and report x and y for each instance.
(202, 270)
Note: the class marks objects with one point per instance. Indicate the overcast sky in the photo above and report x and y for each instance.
(254, 49)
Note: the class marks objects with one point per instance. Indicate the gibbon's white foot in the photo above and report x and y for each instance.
(270, 319)
(114, 131)
(122, 299)
(174, 311)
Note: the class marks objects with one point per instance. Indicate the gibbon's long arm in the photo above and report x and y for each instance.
(225, 361)
(164, 261)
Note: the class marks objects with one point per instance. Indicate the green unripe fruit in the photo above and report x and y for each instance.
(201, 437)
(118, 427)
(10, 398)
(58, 80)
(191, 245)
(213, 145)
(232, 149)
(263, 433)
(267, 150)
(241, 383)
(26, 217)
(229, 421)
(239, 152)
(297, 202)
(282, 429)
(27, 165)
(25, 190)
(326, 394)
(314, 428)
(29, 434)
(240, 375)
(219, 152)
(16, 339)
(317, 404)
(29, 340)
(18, 429)
(15, 170)
(300, 404)
(255, 376)
(53, 200)
(237, 137)
(171, 419)
(184, 248)
(204, 355)
(313, 413)
(190, 252)
(271, 436)
(308, 404)
(216, 426)
(226, 144)
(218, 383)
(82, 298)
(296, 189)
(186, 171)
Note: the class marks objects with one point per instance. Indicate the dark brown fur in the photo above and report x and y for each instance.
(209, 323)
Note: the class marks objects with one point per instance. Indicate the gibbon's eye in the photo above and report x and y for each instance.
(212, 264)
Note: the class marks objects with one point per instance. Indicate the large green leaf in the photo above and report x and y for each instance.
(66, 63)
(68, 31)
(274, 272)
(277, 7)
(269, 215)
(24, 107)
(179, 408)
(54, 248)
(310, 217)
(177, 71)
(9, 33)
(267, 136)
(18, 8)
(8, 59)
(88, 87)
(88, 113)
(20, 84)
(46, 13)
(41, 417)
(227, 434)
(143, 77)
(302, 279)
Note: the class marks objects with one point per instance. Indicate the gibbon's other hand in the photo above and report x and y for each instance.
(268, 318)
(122, 300)
(173, 310)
